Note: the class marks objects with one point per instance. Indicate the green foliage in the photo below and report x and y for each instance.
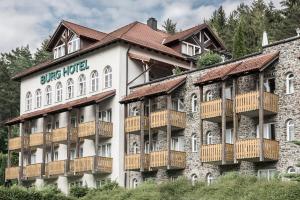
(170, 26)
(177, 70)
(41, 55)
(208, 58)
(78, 191)
(239, 41)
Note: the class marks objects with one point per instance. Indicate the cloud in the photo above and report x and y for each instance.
(30, 22)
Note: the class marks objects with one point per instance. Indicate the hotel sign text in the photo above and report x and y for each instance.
(66, 71)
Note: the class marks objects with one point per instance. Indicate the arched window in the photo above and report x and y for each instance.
(48, 95)
(209, 178)
(290, 83)
(82, 85)
(94, 81)
(70, 88)
(290, 130)
(58, 92)
(194, 179)
(194, 103)
(28, 101)
(194, 143)
(38, 98)
(209, 138)
(291, 170)
(134, 183)
(208, 95)
(107, 77)
(135, 148)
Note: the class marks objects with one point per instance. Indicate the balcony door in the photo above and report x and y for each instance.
(269, 131)
(177, 143)
(105, 115)
(229, 136)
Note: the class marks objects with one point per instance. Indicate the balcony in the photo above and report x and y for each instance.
(133, 162)
(133, 124)
(212, 110)
(159, 119)
(12, 173)
(159, 159)
(15, 144)
(33, 171)
(88, 129)
(87, 164)
(249, 150)
(248, 103)
(56, 168)
(37, 139)
(59, 135)
(212, 153)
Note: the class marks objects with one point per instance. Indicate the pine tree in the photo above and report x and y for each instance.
(42, 55)
(170, 26)
(239, 41)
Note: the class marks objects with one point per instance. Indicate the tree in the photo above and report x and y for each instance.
(170, 26)
(218, 21)
(209, 58)
(239, 41)
(42, 55)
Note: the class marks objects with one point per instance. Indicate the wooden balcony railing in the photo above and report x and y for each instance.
(213, 109)
(133, 162)
(213, 153)
(86, 164)
(37, 139)
(160, 118)
(133, 124)
(12, 173)
(159, 159)
(15, 143)
(250, 102)
(249, 149)
(88, 129)
(33, 170)
(56, 168)
(60, 134)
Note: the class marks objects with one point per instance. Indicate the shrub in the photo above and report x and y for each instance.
(78, 191)
(209, 58)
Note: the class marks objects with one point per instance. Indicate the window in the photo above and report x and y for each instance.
(38, 98)
(154, 146)
(33, 158)
(269, 85)
(48, 95)
(135, 148)
(209, 138)
(58, 92)
(49, 126)
(268, 131)
(291, 170)
(107, 77)
(194, 179)
(59, 51)
(229, 136)
(73, 44)
(147, 147)
(194, 143)
(190, 49)
(28, 102)
(56, 154)
(290, 130)
(105, 115)
(134, 183)
(208, 95)
(134, 111)
(82, 84)
(80, 151)
(72, 154)
(228, 92)
(175, 143)
(94, 81)
(266, 173)
(70, 88)
(105, 150)
(209, 178)
(290, 83)
(194, 103)
(178, 105)
(33, 126)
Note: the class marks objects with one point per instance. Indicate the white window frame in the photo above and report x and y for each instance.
(48, 95)
(70, 88)
(208, 95)
(105, 150)
(209, 138)
(107, 77)
(105, 115)
(185, 48)
(81, 85)
(291, 170)
(134, 183)
(194, 179)
(290, 83)
(209, 178)
(269, 177)
(94, 81)
(194, 103)
(74, 44)
(290, 130)
(175, 144)
(194, 143)
(28, 101)
(136, 149)
(38, 98)
(59, 91)
(59, 51)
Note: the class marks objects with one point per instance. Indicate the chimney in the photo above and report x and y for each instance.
(152, 23)
(265, 40)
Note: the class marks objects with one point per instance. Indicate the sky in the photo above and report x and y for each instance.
(29, 22)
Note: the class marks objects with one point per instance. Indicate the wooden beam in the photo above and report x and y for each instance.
(200, 121)
(149, 122)
(77, 139)
(8, 151)
(43, 170)
(97, 130)
(261, 116)
(67, 169)
(223, 123)
(52, 144)
(22, 154)
(142, 136)
(126, 183)
(169, 106)
(235, 118)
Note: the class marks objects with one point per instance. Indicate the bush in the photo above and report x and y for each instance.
(78, 191)
(209, 58)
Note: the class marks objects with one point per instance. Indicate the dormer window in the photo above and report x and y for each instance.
(73, 44)
(59, 51)
(190, 49)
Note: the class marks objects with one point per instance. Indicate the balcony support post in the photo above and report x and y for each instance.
(261, 116)
(77, 138)
(235, 118)
(200, 121)
(223, 123)
(97, 130)
(29, 149)
(43, 168)
(52, 144)
(8, 151)
(142, 137)
(68, 140)
(149, 122)
(22, 154)
(126, 146)
(169, 106)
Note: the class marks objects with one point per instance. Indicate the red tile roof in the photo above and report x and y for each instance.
(253, 63)
(63, 107)
(156, 88)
